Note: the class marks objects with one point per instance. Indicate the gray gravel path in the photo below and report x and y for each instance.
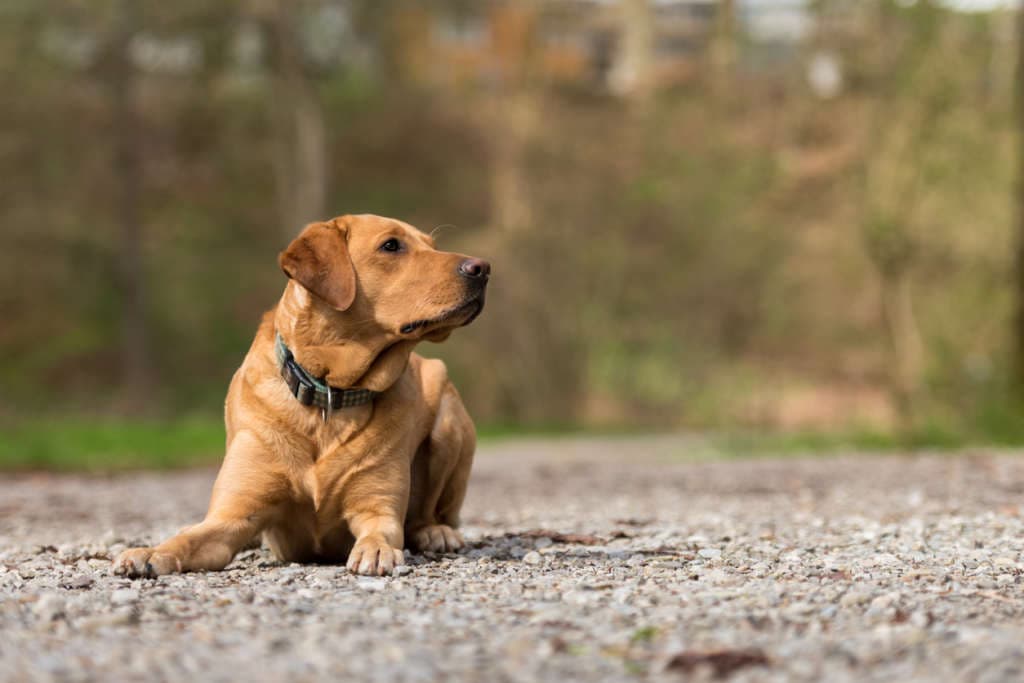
(594, 560)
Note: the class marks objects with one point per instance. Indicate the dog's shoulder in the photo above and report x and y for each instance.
(432, 376)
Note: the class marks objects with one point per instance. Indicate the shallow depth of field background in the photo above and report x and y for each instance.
(775, 221)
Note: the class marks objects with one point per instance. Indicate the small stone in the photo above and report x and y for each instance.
(920, 619)
(403, 570)
(81, 581)
(798, 611)
(542, 542)
(577, 597)
(49, 607)
(852, 598)
(760, 568)
(533, 557)
(710, 553)
(121, 617)
(124, 596)
(371, 584)
(302, 607)
(636, 560)
(383, 614)
(884, 601)
(110, 538)
(328, 574)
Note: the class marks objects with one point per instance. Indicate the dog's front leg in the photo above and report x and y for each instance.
(247, 490)
(373, 501)
(378, 547)
(209, 545)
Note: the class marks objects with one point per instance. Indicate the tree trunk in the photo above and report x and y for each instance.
(1018, 332)
(300, 158)
(135, 363)
(904, 343)
(1001, 63)
(634, 75)
(723, 48)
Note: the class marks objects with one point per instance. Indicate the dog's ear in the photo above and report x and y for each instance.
(318, 259)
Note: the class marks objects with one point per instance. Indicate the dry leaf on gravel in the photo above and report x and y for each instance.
(558, 537)
(721, 662)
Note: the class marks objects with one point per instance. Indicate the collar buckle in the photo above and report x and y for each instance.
(328, 408)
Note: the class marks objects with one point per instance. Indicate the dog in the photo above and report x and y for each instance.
(342, 442)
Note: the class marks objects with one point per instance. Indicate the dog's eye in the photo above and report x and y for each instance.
(391, 245)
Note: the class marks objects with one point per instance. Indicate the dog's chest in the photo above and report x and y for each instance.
(335, 431)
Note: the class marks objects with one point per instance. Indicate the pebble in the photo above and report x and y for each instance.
(533, 557)
(49, 607)
(371, 584)
(854, 597)
(121, 617)
(124, 596)
(81, 581)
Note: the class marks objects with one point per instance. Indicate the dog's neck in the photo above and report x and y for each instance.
(345, 356)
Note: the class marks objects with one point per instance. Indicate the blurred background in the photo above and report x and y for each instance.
(779, 218)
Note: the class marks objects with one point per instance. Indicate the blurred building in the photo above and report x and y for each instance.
(586, 42)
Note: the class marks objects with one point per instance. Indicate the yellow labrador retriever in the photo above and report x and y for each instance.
(342, 442)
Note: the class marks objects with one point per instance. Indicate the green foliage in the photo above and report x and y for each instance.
(110, 444)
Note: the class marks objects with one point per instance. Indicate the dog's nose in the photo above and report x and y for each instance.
(475, 268)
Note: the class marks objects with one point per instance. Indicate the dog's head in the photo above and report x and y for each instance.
(386, 273)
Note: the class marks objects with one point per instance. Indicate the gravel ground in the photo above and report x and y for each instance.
(595, 560)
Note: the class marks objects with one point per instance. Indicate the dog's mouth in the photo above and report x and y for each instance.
(460, 315)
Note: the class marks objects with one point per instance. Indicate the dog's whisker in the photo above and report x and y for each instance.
(442, 226)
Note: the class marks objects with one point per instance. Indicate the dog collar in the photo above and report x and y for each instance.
(313, 392)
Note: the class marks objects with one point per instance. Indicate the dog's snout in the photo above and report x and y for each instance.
(475, 268)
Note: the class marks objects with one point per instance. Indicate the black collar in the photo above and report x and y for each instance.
(313, 392)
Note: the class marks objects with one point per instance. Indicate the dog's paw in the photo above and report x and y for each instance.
(372, 556)
(438, 538)
(145, 562)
